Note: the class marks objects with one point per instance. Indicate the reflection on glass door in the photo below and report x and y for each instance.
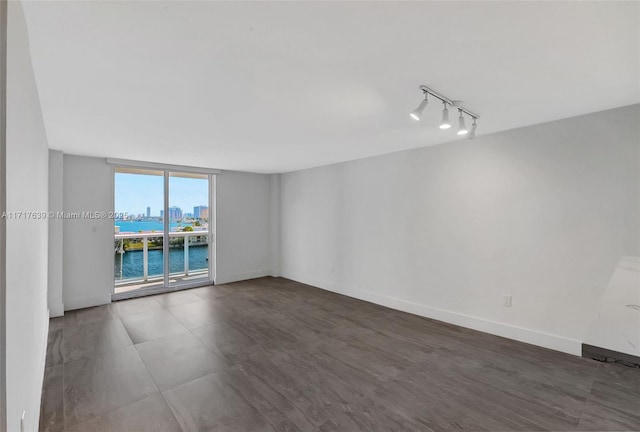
(162, 233)
(188, 216)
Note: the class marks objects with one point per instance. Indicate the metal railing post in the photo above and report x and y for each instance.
(145, 257)
(186, 254)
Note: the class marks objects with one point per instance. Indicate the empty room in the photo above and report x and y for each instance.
(316, 216)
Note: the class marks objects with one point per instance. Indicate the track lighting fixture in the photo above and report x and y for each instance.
(462, 127)
(445, 123)
(417, 113)
(472, 132)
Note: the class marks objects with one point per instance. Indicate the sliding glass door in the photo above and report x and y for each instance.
(162, 231)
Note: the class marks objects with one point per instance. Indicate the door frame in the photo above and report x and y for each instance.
(167, 169)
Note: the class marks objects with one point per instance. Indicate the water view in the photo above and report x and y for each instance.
(139, 232)
(144, 225)
(132, 262)
(129, 248)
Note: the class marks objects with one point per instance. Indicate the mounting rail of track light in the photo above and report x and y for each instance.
(445, 123)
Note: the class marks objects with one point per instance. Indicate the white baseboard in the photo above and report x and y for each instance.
(82, 303)
(45, 340)
(534, 337)
(43, 363)
(242, 276)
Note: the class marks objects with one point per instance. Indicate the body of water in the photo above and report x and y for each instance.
(137, 226)
(132, 262)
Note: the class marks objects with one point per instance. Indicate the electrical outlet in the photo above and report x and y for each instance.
(506, 301)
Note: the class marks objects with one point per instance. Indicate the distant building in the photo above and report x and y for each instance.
(175, 212)
(201, 212)
(162, 214)
(148, 212)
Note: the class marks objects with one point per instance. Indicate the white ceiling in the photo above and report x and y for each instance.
(281, 86)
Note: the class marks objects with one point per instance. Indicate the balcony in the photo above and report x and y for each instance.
(139, 258)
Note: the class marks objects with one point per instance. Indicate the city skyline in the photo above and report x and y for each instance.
(134, 193)
(176, 212)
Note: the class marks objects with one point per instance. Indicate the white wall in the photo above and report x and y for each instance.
(27, 190)
(243, 224)
(542, 213)
(56, 306)
(87, 243)
(244, 238)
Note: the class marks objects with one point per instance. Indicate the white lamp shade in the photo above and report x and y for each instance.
(417, 113)
(445, 123)
(462, 127)
(472, 132)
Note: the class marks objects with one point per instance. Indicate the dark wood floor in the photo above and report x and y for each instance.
(275, 355)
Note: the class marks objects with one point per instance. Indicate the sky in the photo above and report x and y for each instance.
(134, 192)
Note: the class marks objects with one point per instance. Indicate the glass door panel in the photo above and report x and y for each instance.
(138, 229)
(189, 233)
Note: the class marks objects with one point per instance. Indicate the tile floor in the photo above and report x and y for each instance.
(271, 354)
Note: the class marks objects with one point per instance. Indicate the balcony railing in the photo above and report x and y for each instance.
(189, 239)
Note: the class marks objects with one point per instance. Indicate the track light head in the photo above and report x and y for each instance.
(472, 132)
(445, 123)
(417, 113)
(462, 127)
